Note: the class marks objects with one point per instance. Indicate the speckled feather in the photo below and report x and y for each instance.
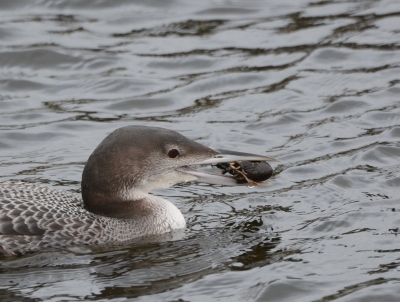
(116, 206)
(36, 217)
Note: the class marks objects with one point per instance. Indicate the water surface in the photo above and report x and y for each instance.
(315, 84)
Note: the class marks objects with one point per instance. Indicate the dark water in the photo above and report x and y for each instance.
(314, 84)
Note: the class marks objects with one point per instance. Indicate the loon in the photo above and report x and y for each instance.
(115, 205)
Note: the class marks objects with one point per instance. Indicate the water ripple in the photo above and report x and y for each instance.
(312, 83)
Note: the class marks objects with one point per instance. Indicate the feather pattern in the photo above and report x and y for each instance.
(36, 217)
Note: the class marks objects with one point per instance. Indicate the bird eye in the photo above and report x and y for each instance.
(173, 153)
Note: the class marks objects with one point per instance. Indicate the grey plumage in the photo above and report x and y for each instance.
(116, 206)
(36, 217)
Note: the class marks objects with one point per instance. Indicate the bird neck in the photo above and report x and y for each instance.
(153, 214)
(116, 207)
